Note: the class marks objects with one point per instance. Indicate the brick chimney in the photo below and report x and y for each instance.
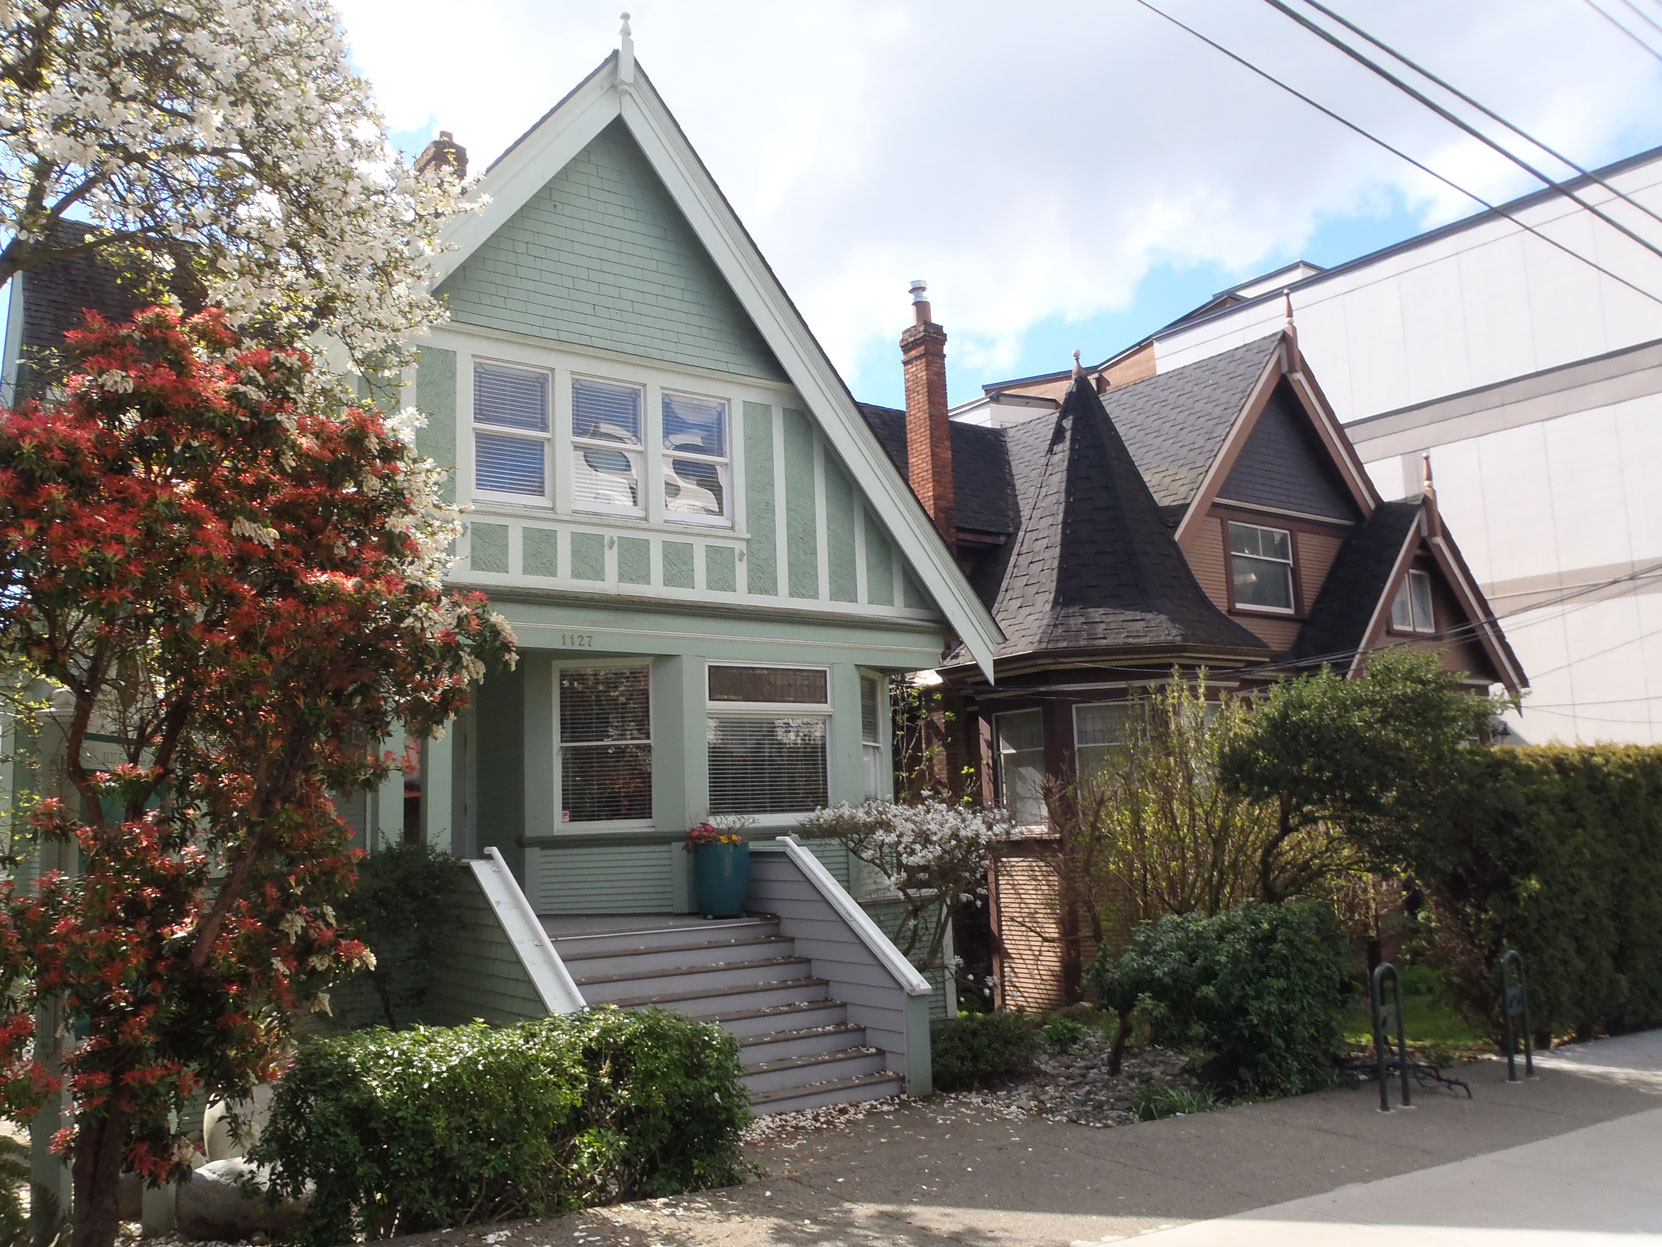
(928, 431)
(443, 153)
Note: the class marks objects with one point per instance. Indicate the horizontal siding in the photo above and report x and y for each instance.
(607, 879)
(478, 974)
(1316, 552)
(1027, 958)
(889, 916)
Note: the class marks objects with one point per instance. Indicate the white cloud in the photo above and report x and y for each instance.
(1031, 161)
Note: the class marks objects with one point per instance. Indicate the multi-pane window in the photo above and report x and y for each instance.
(871, 736)
(1099, 731)
(1411, 608)
(510, 431)
(766, 734)
(695, 458)
(607, 446)
(1021, 765)
(1261, 566)
(605, 755)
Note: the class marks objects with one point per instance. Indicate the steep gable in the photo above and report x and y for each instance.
(1283, 464)
(603, 256)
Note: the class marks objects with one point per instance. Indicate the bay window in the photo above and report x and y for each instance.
(1020, 740)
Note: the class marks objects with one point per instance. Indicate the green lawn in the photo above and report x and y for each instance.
(1434, 1030)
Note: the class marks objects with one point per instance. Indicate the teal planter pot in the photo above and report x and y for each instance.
(721, 879)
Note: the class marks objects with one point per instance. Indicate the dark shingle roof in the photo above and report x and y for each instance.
(1174, 423)
(1344, 607)
(1093, 565)
(985, 498)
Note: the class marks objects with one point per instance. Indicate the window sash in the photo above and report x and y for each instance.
(1261, 567)
(604, 753)
(1411, 609)
(733, 684)
(1021, 765)
(608, 440)
(767, 764)
(511, 431)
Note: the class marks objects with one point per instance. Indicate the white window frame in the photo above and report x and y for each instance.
(874, 753)
(588, 825)
(1405, 593)
(642, 448)
(546, 498)
(765, 710)
(722, 463)
(999, 752)
(1290, 563)
(1131, 707)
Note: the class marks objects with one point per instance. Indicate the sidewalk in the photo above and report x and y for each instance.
(1577, 1151)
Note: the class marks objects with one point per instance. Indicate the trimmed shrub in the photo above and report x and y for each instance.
(1559, 856)
(975, 1048)
(403, 908)
(434, 1127)
(1261, 988)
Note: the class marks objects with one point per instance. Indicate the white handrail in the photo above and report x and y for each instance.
(858, 920)
(548, 973)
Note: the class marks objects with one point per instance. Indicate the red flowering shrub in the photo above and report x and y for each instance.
(233, 576)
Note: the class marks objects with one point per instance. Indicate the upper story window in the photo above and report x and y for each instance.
(510, 432)
(605, 752)
(1261, 567)
(767, 733)
(607, 446)
(695, 458)
(1411, 608)
(1020, 737)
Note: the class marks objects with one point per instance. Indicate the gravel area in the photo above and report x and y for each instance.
(1077, 1087)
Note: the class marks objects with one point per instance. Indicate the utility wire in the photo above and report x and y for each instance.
(1460, 95)
(1400, 154)
(1460, 123)
(1611, 19)
(1644, 17)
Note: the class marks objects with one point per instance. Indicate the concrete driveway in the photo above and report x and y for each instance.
(1574, 1156)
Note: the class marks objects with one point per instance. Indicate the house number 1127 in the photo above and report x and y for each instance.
(577, 640)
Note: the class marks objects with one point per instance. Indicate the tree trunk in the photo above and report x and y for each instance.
(1116, 1052)
(97, 1171)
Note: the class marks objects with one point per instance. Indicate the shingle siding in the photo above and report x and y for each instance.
(602, 256)
(1283, 464)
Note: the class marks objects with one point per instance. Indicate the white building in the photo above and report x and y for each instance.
(1534, 381)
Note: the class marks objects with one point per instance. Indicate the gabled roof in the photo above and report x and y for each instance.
(985, 496)
(1093, 565)
(619, 88)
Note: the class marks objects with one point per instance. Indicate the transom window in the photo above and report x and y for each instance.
(1411, 608)
(1021, 765)
(1261, 566)
(605, 753)
(607, 446)
(695, 458)
(510, 431)
(767, 733)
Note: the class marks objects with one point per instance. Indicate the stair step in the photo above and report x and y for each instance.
(702, 1003)
(743, 1022)
(605, 988)
(781, 1045)
(656, 935)
(837, 1091)
(751, 948)
(815, 1068)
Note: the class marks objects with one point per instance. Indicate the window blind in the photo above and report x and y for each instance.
(871, 737)
(510, 465)
(605, 744)
(604, 412)
(512, 398)
(694, 425)
(766, 765)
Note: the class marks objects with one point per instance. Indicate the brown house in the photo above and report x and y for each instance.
(1212, 517)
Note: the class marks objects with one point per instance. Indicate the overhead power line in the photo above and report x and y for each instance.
(1644, 17)
(1424, 168)
(1460, 123)
(1612, 20)
(1490, 113)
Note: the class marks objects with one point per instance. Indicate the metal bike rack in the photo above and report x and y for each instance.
(1514, 1003)
(1382, 1034)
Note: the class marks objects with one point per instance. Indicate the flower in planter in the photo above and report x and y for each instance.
(717, 831)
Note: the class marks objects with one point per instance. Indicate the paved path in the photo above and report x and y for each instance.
(1575, 1156)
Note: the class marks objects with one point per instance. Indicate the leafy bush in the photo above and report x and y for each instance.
(1064, 1034)
(402, 908)
(1261, 987)
(1150, 1102)
(432, 1127)
(972, 1049)
(1559, 855)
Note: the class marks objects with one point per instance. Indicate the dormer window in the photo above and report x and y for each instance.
(1261, 567)
(1411, 609)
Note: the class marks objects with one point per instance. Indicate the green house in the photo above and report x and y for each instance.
(712, 568)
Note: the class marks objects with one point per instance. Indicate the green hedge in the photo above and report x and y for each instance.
(1260, 988)
(974, 1048)
(433, 1127)
(1560, 857)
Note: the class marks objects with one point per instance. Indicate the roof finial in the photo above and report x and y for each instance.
(1287, 302)
(1426, 487)
(1428, 492)
(625, 51)
(1078, 370)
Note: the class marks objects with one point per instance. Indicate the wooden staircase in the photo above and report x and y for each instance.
(798, 1046)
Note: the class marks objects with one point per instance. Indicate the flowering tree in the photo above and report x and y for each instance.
(225, 141)
(933, 854)
(238, 591)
